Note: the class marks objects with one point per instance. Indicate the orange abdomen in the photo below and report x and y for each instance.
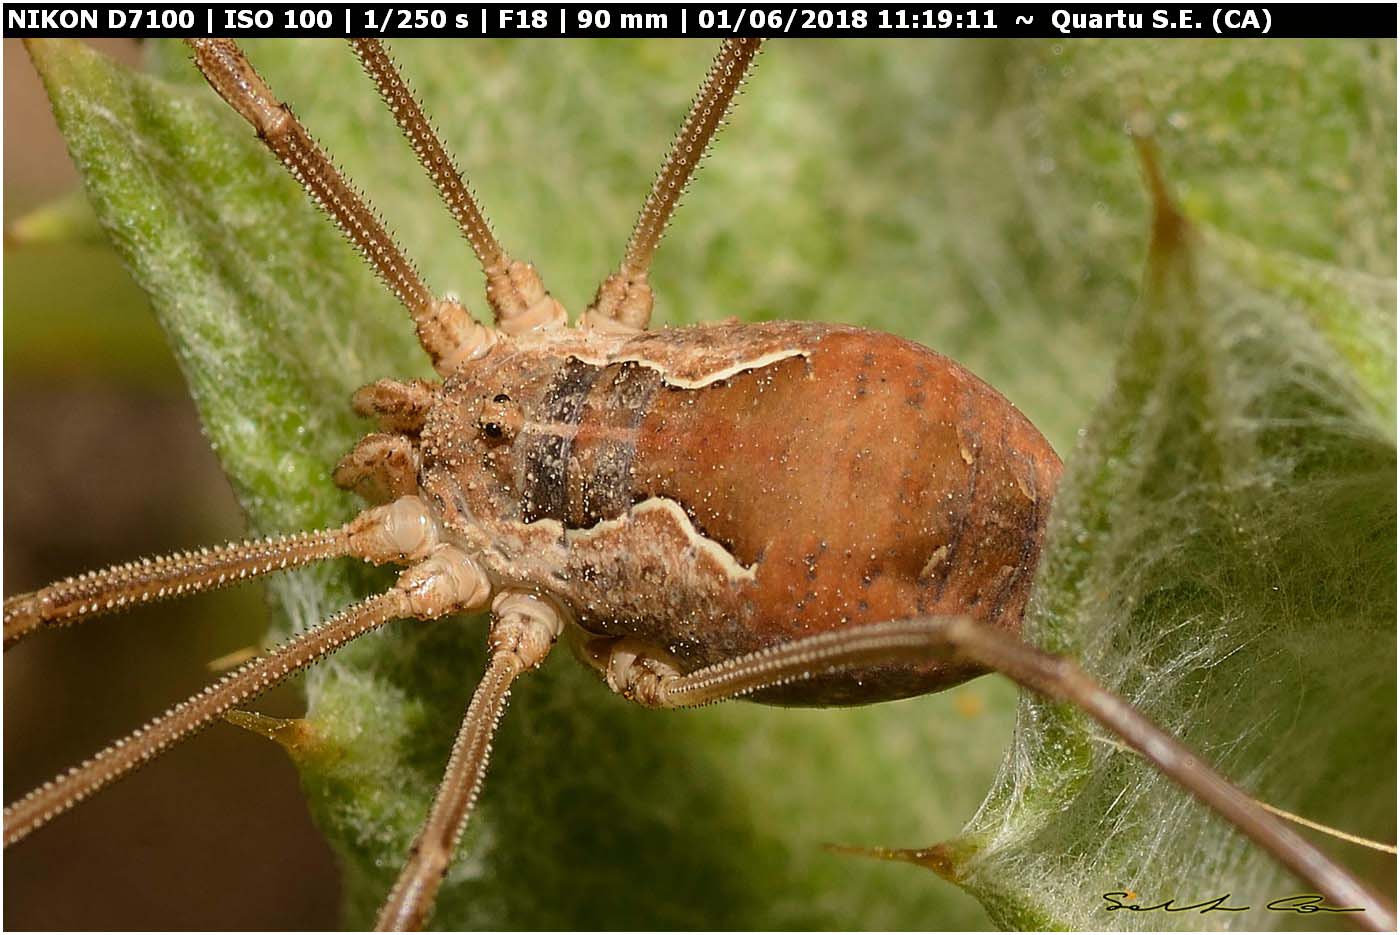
(868, 479)
(725, 489)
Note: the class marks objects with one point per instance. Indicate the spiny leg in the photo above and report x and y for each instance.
(399, 531)
(448, 581)
(655, 683)
(625, 298)
(514, 289)
(523, 630)
(166, 576)
(446, 330)
(430, 151)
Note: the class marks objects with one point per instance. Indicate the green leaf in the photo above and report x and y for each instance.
(981, 198)
(1221, 556)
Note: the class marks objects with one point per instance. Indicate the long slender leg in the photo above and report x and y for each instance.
(514, 289)
(400, 531)
(446, 582)
(625, 299)
(447, 331)
(166, 576)
(430, 151)
(649, 682)
(523, 630)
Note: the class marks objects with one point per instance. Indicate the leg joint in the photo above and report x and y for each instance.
(448, 581)
(402, 531)
(635, 670)
(526, 627)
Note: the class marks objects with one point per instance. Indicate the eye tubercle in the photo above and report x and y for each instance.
(499, 418)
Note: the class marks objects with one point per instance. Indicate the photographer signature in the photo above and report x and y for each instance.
(1303, 904)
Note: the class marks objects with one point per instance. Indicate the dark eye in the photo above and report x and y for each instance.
(499, 418)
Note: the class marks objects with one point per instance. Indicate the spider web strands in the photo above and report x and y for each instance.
(1317, 826)
(431, 152)
(189, 717)
(1056, 678)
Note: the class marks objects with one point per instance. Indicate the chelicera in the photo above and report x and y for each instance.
(875, 540)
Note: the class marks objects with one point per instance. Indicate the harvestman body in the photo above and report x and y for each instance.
(797, 513)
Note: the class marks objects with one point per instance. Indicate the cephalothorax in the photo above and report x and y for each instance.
(797, 513)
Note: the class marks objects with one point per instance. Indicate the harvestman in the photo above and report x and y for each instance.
(585, 479)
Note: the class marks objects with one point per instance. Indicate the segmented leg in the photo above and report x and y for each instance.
(514, 289)
(447, 331)
(625, 298)
(446, 582)
(400, 531)
(166, 576)
(655, 683)
(523, 630)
